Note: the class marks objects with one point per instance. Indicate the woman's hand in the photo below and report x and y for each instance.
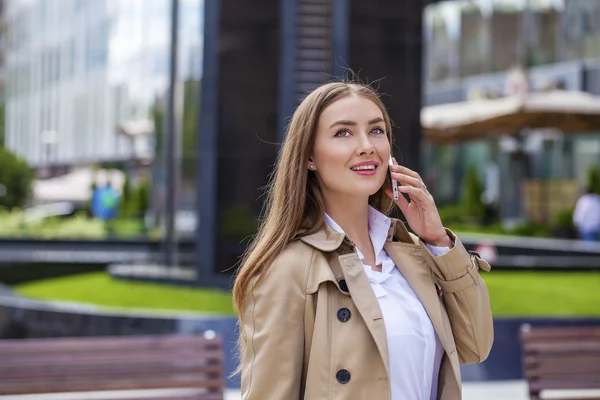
(421, 212)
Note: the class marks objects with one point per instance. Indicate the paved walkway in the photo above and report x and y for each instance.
(497, 390)
(504, 390)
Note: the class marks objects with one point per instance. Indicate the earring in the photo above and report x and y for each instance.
(312, 167)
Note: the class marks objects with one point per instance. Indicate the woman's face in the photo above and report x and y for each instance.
(351, 150)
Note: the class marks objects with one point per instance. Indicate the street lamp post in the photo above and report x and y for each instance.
(172, 146)
(49, 142)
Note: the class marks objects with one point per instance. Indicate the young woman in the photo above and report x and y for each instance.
(335, 299)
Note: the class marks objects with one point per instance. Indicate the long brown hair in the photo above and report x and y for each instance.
(294, 205)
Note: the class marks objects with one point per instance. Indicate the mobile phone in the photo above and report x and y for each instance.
(394, 183)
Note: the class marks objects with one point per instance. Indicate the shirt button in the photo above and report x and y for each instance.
(343, 376)
(344, 314)
(343, 285)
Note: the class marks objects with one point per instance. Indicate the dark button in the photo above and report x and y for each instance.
(344, 314)
(343, 285)
(343, 376)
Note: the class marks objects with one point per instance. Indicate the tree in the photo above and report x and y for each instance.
(143, 197)
(189, 128)
(473, 190)
(16, 177)
(127, 208)
(158, 116)
(1, 125)
(593, 178)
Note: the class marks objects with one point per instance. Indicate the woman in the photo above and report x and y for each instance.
(335, 299)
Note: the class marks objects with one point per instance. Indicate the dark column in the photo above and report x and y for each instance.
(207, 149)
(249, 57)
(385, 49)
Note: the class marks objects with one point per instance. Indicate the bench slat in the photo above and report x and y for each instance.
(561, 333)
(545, 384)
(103, 358)
(98, 344)
(108, 371)
(111, 383)
(567, 346)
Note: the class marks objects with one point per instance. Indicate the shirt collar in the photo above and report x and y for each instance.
(379, 226)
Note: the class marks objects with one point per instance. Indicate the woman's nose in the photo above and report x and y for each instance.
(364, 145)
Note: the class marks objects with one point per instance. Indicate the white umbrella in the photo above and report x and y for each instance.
(569, 111)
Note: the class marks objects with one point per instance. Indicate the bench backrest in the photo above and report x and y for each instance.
(55, 365)
(560, 358)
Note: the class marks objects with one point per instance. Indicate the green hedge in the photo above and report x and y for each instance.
(16, 177)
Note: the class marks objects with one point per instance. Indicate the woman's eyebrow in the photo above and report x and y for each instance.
(352, 123)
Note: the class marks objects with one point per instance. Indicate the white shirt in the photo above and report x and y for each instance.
(415, 351)
(586, 216)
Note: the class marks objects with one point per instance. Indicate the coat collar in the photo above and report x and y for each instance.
(327, 239)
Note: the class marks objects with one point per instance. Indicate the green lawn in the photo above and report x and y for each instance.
(100, 289)
(512, 293)
(544, 293)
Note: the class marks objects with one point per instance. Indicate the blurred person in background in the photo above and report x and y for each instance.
(335, 299)
(105, 205)
(586, 216)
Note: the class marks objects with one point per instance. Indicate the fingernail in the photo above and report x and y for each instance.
(394, 158)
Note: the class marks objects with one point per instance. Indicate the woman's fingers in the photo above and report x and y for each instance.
(401, 202)
(407, 171)
(407, 179)
(414, 193)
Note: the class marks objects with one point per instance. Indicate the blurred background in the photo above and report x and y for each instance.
(136, 137)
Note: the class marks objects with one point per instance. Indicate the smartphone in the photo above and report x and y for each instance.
(394, 183)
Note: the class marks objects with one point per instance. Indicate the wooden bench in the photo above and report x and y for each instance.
(59, 365)
(561, 359)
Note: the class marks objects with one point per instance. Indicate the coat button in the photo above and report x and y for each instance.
(344, 314)
(343, 376)
(343, 285)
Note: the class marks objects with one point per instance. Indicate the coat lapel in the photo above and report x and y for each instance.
(421, 281)
(365, 301)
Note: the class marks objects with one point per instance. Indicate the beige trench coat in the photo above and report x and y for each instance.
(298, 348)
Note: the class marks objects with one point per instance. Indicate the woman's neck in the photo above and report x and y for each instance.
(352, 215)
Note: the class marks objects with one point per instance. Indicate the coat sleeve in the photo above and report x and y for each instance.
(466, 300)
(273, 324)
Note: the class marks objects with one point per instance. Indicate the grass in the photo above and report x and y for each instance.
(101, 289)
(511, 293)
(544, 293)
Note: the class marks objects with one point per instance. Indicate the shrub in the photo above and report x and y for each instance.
(237, 222)
(16, 176)
(530, 228)
(473, 190)
(127, 208)
(143, 197)
(452, 214)
(593, 178)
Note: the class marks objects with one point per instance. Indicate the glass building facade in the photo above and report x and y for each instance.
(76, 69)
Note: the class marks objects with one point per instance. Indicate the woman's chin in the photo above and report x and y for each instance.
(367, 191)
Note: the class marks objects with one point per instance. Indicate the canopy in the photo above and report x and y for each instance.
(568, 111)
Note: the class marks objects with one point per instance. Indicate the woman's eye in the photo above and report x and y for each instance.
(342, 133)
(377, 131)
